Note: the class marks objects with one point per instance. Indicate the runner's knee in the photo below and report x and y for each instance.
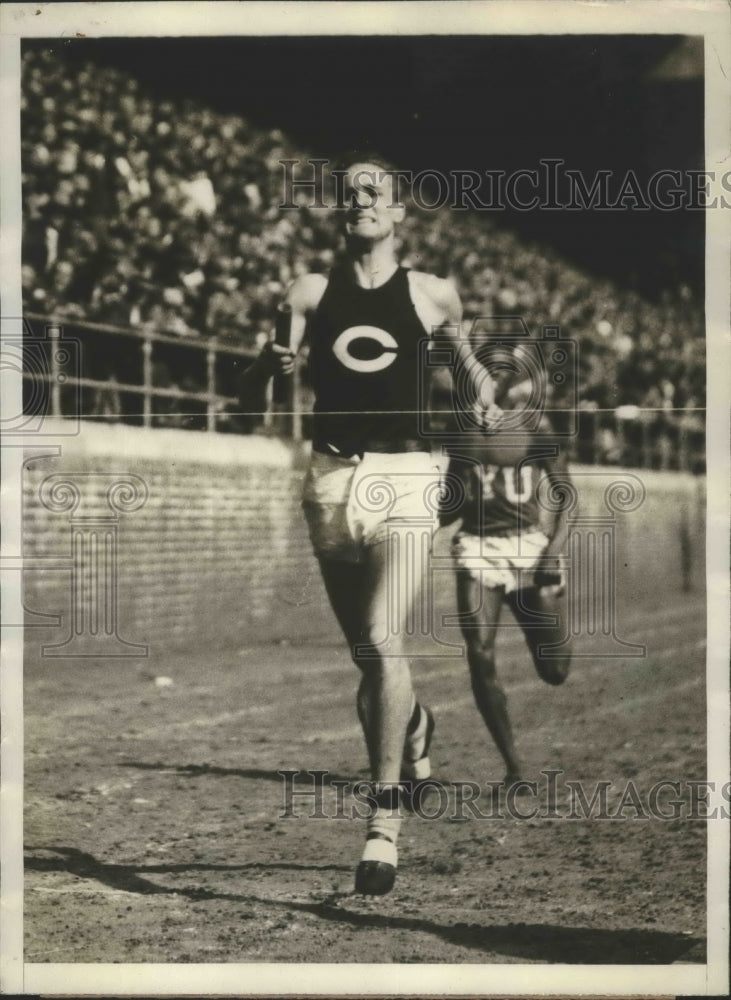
(378, 651)
(481, 659)
(553, 670)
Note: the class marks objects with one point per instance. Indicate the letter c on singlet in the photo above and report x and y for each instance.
(341, 348)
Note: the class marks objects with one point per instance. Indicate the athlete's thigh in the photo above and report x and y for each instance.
(542, 613)
(345, 584)
(395, 567)
(479, 610)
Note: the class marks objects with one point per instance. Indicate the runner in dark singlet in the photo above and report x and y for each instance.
(364, 355)
(502, 554)
(364, 324)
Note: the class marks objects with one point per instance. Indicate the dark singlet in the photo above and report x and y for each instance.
(364, 367)
(499, 472)
(498, 499)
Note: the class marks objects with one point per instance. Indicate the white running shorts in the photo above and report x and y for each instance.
(352, 503)
(499, 560)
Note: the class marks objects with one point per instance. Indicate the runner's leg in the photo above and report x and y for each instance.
(354, 599)
(479, 609)
(345, 586)
(392, 584)
(373, 601)
(527, 604)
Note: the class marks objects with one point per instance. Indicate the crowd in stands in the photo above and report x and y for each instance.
(163, 215)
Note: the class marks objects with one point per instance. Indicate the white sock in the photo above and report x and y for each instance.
(378, 849)
(384, 826)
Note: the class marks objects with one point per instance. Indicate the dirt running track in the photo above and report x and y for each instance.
(153, 824)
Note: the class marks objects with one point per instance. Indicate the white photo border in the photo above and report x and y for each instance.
(526, 17)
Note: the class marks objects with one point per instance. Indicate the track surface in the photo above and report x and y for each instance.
(153, 824)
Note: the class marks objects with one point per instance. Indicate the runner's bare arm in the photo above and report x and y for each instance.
(454, 493)
(447, 305)
(302, 299)
(547, 571)
(557, 470)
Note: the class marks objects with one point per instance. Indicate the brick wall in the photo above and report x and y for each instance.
(218, 555)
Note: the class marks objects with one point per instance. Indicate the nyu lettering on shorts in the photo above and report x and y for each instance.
(499, 560)
(352, 503)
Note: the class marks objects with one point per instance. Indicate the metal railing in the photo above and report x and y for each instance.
(98, 371)
(102, 371)
(667, 440)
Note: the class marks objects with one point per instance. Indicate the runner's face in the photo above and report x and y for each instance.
(503, 368)
(370, 209)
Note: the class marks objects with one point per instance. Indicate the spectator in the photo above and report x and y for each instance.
(164, 215)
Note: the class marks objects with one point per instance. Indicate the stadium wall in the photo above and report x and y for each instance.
(218, 557)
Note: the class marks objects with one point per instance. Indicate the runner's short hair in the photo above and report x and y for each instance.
(365, 154)
(362, 154)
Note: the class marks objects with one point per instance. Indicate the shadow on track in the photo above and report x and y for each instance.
(255, 773)
(533, 942)
(128, 879)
